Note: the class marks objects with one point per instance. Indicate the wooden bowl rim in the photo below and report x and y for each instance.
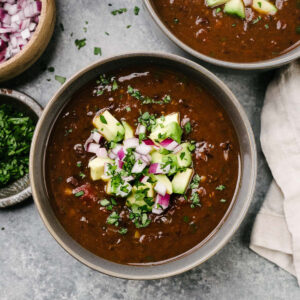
(34, 37)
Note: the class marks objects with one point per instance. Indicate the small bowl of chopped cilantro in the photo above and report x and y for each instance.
(18, 116)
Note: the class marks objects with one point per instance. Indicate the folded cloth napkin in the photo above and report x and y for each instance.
(276, 231)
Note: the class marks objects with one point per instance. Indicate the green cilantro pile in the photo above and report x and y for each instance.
(16, 131)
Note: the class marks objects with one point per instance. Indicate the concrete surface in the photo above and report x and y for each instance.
(34, 266)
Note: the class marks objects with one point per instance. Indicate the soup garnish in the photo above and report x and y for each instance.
(143, 158)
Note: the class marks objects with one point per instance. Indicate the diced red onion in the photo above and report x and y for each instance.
(92, 148)
(18, 20)
(120, 164)
(97, 137)
(131, 143)
(161, 203)
(117, 148)
(140, 129)
(145, 159)
(112, 155)
(128, 178)
(121, 154)
(143, 149)
(177, 149)
(101, 152)
(160, 188)
(157, 169)
(169, 144)
(148, 142)
(138, 167)
(144, 179)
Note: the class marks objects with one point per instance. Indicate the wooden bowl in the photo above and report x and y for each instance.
(36, 45)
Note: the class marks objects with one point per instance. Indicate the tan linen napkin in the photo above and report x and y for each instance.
(276, 231)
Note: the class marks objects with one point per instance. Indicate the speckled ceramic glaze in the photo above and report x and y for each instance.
(261, 65)
(228, 225)
(20, 189)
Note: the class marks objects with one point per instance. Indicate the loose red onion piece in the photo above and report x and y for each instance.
(169, 144)
(120, 164)
(177, 149)
(112, 155)
(156, 168)
(160, 188)
(161, 203)
(144, 179)
(137, 155)
(131, 143)
(101, 152)
(117, 148)
(121, 154)
(153, 168)
(140, 129)
(138, 167)
(149, 142)
(92, 148)
(97, 137)
(143, 149)
(128, 178)
(145, 159)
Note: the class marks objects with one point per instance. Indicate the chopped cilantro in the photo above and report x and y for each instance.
(195, 199)
(266, 26)
(102, 119)
(79, 194)
(185, 219)
(128, 108)
(256, 20)
(80, 43)
(223, 200)
(115, 85)
(298, 29)
(128, 26)
(113, 219)
(51, 69)
(195, 182)
(118, 11)
(220, 187)
(218, 10)
(97, 51)
(60, 79)
(82, 175)
(123, 230)
(104, 202)
(136, 10)
(176, 21)
(78, 164)
(188, 127)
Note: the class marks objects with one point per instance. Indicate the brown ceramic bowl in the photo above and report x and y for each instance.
(36, 45)
(228, 225)
(260, 65)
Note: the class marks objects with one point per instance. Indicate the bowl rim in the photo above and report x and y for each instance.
(253, 172)
(35, 107)
(27, 48)
(260, 65)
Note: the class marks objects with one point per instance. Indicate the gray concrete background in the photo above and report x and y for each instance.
(34, 266)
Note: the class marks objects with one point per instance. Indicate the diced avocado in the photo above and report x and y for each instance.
(165, 120)
(181, 181)
(137, 197)
(213, 3)
(166, 182)
(156, 157)
(109, 127)
(264, 7)
(96, 166)
(184, 157)
(172, 130)
(128, 130)
(236, 8)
